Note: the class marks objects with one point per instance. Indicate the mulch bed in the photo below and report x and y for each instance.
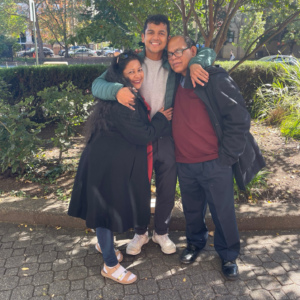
(282, 158)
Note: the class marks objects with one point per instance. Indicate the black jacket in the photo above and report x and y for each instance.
(111, 188)
(231, 121)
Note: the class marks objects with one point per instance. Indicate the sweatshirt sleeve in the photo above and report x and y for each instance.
(236, 119)
(205, 57)
(105, 90)
(132, 127)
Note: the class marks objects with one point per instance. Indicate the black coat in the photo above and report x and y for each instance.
(112, 188)
(231, 121)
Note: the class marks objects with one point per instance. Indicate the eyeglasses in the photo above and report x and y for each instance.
(122, 56)
(177, 53)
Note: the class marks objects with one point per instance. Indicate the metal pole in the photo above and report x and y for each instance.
(35, 42)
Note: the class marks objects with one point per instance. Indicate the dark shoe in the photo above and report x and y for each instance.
(189, 254)
(230, 269)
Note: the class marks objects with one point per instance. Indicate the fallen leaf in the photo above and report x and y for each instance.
(24, 269)
(269, 202)
(25, 225)
(211, 245)
(58, 227)
(30, 229)
(184, 280)
(277, 233)
(211, 233)
(35, 197)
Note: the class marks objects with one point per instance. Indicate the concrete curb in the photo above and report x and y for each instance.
(275, 216)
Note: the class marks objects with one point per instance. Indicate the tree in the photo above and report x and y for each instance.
(62, 18)
(252, 24)
(213, 17)
(290, 35)
(11, 23)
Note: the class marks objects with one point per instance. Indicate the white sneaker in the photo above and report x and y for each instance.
(134, 247)
(167, 246)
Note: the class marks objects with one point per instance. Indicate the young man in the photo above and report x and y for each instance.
(212, 141)
(158, 91)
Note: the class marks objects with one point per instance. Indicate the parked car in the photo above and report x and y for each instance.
(72, 48)
(102, 50)
(111, 53)
(290, 60)
(83, 52)
(29, 53)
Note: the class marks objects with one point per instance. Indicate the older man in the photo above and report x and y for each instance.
(212, 141)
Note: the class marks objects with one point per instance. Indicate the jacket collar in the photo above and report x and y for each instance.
(188, 82)
(165, 61)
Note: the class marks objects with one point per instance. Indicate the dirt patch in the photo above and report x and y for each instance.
(283, 162)
(282, 158)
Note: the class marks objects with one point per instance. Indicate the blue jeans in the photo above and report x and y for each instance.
(106, 241)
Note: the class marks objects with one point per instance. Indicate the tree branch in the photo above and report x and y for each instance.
(211, 24)
(281, 27)
(198, 21)
(177, 5)
(132, 14)
(220, 38)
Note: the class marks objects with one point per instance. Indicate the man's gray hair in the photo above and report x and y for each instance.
(189, 42)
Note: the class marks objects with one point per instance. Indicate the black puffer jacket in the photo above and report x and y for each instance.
(231, 121)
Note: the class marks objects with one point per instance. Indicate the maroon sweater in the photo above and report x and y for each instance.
(194, 136)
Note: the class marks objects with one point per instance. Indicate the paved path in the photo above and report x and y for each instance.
(38, 262)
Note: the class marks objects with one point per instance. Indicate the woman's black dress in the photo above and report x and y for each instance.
(112, 188)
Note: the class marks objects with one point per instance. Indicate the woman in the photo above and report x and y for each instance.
(111, 189)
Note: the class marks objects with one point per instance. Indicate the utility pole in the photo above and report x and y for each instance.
(33, 19)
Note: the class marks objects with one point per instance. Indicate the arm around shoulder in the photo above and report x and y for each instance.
(105, 90)
(205, 57)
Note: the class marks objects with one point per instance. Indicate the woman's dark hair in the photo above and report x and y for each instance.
(99, 118)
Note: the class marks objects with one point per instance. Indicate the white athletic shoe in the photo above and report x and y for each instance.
(167, 246)
(134, 247)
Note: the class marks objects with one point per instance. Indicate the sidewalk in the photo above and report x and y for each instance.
(269, 216)
(45, 263)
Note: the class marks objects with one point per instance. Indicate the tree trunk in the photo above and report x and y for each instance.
(39, 38)
(238, 49)
(292, 44)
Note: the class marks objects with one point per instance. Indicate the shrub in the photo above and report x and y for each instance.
(27, 81)
(249, 76)
(66, 105)
(276, 116)
(18, 135)
(283, 97)
(290, 127)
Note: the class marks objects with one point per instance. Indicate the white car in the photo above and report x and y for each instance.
(83, 52)
(290, 60)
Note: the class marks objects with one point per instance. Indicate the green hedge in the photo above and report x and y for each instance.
(250, 75)
(28, 81)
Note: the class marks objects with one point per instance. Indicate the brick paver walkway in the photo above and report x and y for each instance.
(41, 263)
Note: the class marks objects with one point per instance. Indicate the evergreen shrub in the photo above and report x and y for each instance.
(27, 81)
(250, 75)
